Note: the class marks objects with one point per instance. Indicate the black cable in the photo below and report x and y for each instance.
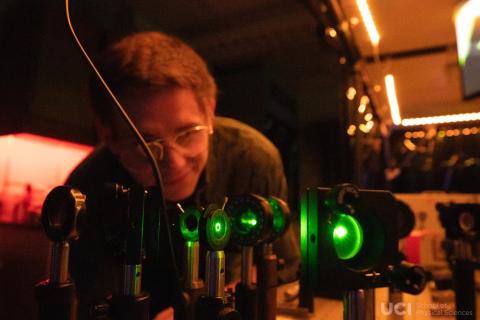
(140, 141)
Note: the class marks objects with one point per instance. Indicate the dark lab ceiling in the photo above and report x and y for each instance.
(281, 33)
(235, 32)
(417, 43)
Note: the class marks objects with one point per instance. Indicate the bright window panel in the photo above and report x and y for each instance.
(30, 166)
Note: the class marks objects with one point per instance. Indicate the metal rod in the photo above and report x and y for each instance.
(370, 304)
(464, 284)
(359, 304)
(215, 274)
(247, 263)
(192, 262)
(267, 280)
(59, 266)
(131, 279)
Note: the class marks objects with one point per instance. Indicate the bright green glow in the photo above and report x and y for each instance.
(247, 222)
(218, 224)
(304, 234)
(340, 232)
(309, 230)
(347, 236)
(218, 230)
(252, 222)
(278, 216)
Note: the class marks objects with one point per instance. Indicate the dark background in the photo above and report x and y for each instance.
(275, 70)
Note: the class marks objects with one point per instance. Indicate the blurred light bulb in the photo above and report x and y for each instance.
(351, 92)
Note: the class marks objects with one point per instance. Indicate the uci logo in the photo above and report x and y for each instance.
(399, 308)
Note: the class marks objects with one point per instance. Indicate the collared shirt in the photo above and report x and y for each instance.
(241, 160)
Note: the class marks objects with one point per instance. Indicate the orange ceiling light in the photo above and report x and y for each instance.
(392, 99)
(351, 130)
(462, 117)
(363, 104)
(369, 22)
(409, 144)
(397, 120)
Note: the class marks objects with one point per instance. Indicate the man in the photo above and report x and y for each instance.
(170, 95)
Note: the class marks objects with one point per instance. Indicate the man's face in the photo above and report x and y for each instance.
(164, 115)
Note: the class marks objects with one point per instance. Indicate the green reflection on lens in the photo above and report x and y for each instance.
(278, 216)
(189, 224)
(347, 236)
(218, 230)
(248, 221)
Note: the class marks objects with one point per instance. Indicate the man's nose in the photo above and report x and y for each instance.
(172, 158)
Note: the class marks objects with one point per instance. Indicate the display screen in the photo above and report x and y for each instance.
(467, 27)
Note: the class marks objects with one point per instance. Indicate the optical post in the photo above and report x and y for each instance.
(252, 221)
(267, 275)
(462, 245)
(193, 287)
(60, 210)
(214, 233)
(128, 300)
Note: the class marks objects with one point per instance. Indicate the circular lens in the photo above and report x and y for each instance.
(247, 221)
(279, 216)
(466, 221)
(347, 236)
(218, 226)
(218, 230)
(189, 224)
(58, 215)
(252, 219)
(59, 212)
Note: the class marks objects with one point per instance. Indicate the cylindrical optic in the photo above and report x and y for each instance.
(252, 219)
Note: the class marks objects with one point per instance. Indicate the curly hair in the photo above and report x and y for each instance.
(148, 62)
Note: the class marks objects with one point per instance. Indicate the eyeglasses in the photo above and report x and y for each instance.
(190, 141)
